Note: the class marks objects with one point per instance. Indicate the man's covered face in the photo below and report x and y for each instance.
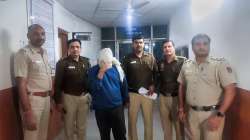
(105, 57)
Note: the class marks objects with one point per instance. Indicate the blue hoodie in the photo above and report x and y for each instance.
(109, 92)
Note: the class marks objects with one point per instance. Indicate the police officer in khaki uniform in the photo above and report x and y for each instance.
(33, 76)
(208, 85)
(169, 68)
(71, 94)
(140, 69)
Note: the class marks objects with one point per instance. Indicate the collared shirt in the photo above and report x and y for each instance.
(168, 74)
(71, 76)
(204, 82)
(108, 92)
(32, 63)
(140, 72)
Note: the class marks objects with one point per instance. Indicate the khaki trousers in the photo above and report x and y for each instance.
(41, 109)
(169, 117)
(198, 125)
(75, 117)
(138, 102)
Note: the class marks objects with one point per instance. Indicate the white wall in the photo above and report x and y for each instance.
(227, 23)
(67, 21)
(13, 28)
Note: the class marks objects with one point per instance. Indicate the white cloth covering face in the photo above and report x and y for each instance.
(106, 56)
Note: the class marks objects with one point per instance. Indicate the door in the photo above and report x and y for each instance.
(62, 41)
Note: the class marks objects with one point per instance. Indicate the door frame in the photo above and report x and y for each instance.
(63, 35)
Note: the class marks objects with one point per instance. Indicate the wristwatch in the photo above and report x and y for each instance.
(220, 114)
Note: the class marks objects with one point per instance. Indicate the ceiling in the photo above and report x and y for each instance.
(105, 13)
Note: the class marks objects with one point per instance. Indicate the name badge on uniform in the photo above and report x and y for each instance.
(37, 61)
(132, 62)
(71, 67)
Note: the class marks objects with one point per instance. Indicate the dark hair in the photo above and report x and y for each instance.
(74, 40)
(33, 26)
(168, 40)
(136, 37)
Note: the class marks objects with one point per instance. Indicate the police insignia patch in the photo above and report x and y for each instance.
(229, 70)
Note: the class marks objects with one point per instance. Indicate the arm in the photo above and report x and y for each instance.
(181, 99)
(124, 65)
(23, 94)
(124, 92)
(94, 83)
(155, 73)
(86, 80)
(21, 74)
(229, 94)
(227, 80)
(58, 82)
(182, 88)
(181, 95)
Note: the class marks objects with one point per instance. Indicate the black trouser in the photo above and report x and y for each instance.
(111, 119)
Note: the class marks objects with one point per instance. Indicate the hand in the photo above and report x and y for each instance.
(59, 108)
(213, 122)
(103, 68)
(182, 115)
(126, 105)
(29, 120)
(151, 90)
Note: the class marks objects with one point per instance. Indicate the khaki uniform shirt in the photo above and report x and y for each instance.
(32, 63)
(204, 82)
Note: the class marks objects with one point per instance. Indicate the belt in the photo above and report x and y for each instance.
(75, 94)
(41, 94)
(205, 108)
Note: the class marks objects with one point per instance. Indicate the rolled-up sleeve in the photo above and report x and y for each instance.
(21, 64)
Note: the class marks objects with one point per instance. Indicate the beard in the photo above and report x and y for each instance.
(38, 43)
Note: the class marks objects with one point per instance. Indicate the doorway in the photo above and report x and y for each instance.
(62, 41)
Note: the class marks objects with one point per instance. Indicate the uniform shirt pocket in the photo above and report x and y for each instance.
(37, 65)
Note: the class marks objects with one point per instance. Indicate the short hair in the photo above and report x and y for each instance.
(74, 40)
(136, 37)
(34, 26)
(168, 40)
(200, 37)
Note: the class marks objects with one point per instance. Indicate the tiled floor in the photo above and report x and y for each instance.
(93, 133)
